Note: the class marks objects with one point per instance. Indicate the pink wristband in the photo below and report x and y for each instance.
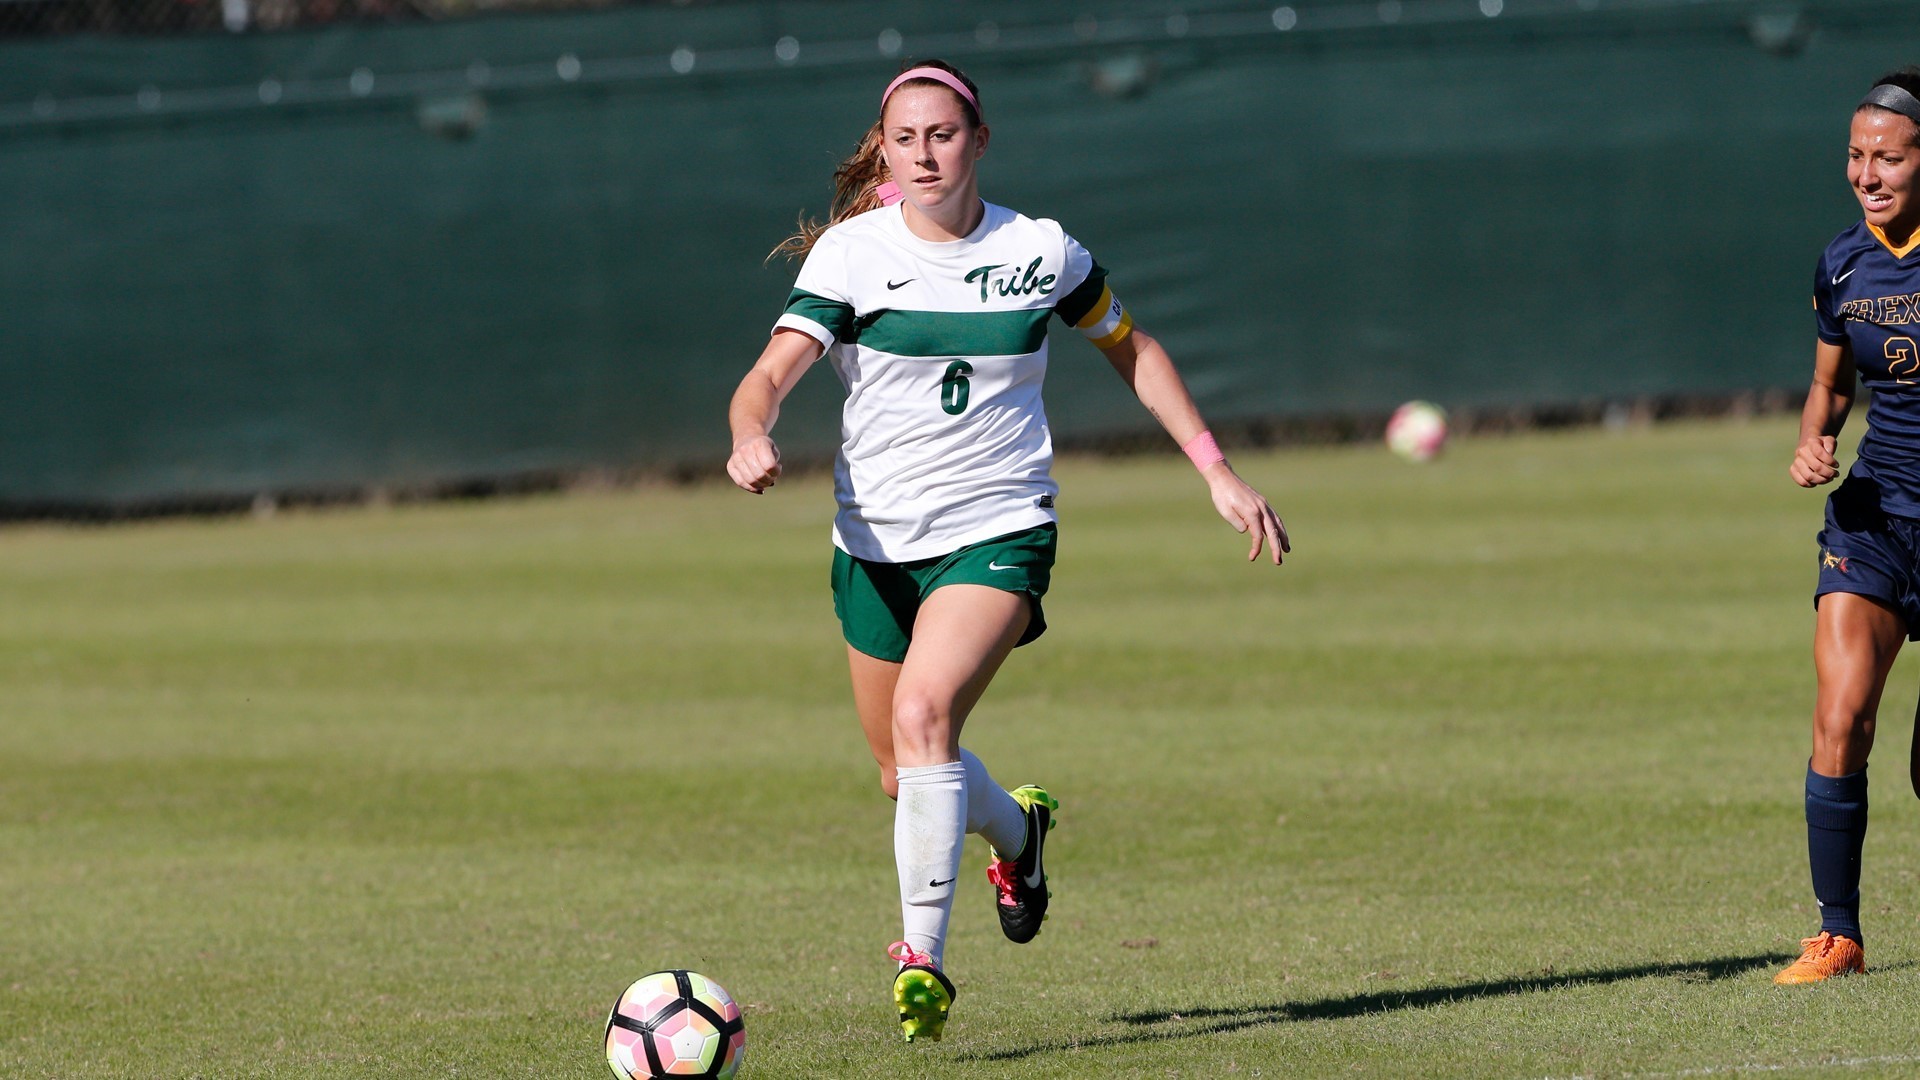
(1203, 451)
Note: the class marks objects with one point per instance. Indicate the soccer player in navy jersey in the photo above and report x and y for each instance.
(1866, 298)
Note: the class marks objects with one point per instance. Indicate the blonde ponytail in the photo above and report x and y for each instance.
(853, 193)
(857, 177)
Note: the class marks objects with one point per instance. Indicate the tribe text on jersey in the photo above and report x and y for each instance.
(942, 348)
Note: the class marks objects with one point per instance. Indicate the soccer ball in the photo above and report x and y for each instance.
(675, 1023)
(1417, 430)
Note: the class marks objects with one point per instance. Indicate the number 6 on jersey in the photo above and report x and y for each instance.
(953, 388)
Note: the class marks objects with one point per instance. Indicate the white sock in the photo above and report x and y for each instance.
(991, 812)
(929, 828)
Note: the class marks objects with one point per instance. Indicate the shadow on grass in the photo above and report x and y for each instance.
(1167, 1025)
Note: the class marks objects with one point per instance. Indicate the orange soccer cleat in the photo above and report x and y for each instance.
(1823, 957)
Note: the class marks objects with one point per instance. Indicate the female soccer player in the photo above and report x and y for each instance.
(1868, 599)
(932, 307)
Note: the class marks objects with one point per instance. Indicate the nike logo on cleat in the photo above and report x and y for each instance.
(937, 884)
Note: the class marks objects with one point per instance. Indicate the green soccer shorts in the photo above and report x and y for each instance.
(877, 602)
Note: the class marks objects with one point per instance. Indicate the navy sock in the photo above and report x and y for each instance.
(1836, 828)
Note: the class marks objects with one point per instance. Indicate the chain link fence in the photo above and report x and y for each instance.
(41, 18)
(415, 255)
(1781, 25)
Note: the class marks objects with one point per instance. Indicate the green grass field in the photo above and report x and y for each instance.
(1500, 775)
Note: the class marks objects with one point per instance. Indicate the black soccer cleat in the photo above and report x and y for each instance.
(1022, 881)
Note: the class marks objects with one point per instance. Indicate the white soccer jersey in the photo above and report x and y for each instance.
(942, 348)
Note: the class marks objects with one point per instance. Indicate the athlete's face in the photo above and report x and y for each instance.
(1883, 152)
(931, 150)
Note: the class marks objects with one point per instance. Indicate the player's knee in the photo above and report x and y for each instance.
(1842, 728)
(920, 723)
(890, 783)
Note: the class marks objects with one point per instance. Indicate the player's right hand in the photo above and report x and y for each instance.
(755, 464)
(1815, 463)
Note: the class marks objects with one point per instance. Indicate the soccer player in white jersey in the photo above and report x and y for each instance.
(932, 307)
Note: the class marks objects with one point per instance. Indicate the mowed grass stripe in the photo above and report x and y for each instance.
(1498, 776)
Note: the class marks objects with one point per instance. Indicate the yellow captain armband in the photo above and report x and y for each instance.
(1107, 323)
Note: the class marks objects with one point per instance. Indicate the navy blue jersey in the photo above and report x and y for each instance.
(1866, 296)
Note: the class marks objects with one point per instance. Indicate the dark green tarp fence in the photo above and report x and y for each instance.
(411, 255)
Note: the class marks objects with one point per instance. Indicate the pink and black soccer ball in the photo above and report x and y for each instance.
(675, 1023)
(1417, 431)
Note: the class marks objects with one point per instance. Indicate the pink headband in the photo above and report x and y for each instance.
(937, 75)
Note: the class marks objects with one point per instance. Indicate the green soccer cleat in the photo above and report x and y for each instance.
(921, 993)
(1022, 880)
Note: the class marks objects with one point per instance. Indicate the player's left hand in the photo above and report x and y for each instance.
(1248, 512)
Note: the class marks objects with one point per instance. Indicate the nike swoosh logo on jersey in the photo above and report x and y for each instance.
(892, 285)
(993, 564)
(1844, 276)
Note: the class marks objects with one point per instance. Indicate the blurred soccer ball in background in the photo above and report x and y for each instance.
(1417, 430)
(675, 1024)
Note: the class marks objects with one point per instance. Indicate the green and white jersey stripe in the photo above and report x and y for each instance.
(942, 348)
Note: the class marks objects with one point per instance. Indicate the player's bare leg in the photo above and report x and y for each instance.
(961, 637)
(1913, 753)
(1855, 642)
(912, 714)
(873, 683)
